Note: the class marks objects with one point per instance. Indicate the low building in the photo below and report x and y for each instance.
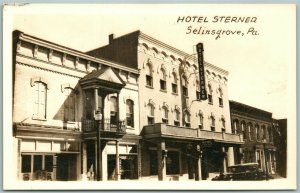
(257, 128)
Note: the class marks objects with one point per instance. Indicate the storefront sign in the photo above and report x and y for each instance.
(206, 143)
(203, 92)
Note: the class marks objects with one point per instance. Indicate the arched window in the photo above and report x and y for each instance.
(209, 95)
(197, 90)
(250, 131)
(257, 130)
(150, 114)
(235, 127)
(165, 116)
(213, 123)
(163, 85)
(149, 78)
(184, 86)
(223, 124)
(220, 97)
(40, 100)
(200, 121)
(187, 119)
(69, 105)
(129, 113)
(243, 128)
(177, 118)
(174, 83)
(113, 111)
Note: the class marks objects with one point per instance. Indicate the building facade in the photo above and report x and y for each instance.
(62, 98)
(257, 128)
(181, 136)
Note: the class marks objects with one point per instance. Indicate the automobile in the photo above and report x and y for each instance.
(239, 172)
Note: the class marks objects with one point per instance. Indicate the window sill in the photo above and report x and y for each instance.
(221, 106)
(175, 93)
(69, 122)
(210, 103)
(39, 118)
(129, 127)
(151, 87)
(165, 91)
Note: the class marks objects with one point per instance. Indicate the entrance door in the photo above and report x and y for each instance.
(66, 167)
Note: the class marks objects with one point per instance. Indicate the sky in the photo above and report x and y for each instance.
(261, 63)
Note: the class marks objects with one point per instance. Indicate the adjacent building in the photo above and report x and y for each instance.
(264, 139)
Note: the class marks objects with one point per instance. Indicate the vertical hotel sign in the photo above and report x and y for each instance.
(203, 93)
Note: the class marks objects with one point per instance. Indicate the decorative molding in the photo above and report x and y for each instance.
(64, 59)
(88, 66)
(76, 62)
(19, 43)
(39, 79)
(50, 55)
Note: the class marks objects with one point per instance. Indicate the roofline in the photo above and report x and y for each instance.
(173, 49)
(32, 39)
(232, 101)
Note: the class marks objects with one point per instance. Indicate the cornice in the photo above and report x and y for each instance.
(50, 45)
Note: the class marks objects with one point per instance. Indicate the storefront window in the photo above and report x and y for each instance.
(37, 163)
(49, 163)
(26, 164)
(172, 162)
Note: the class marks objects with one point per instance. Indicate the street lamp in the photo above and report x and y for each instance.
(98, 118)
(265, 153)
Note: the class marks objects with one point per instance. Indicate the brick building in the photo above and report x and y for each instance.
(192, 138)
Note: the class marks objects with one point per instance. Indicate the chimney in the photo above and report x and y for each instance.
(111, 38)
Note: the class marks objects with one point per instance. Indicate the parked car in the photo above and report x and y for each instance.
(248, 171)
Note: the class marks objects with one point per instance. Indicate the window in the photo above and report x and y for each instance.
(69, 105)
(244, 130)
(163, 85)
(172, 163)
(88, 105)
(200, 121)
(235, 127)
(113, 111)
(184, 86)
(165, 115)
(270, 134)
(37, 163)
(187, 119)
(197, 90)
(257, 132)
(223, 123)
(177, 118)
(149, 78)
(129, 113)
(150, 114)
(220, 97)
(210, 99)
(174, 84)
(264, 133)
(153, 162)
(212, 126)
(49, 163)
(26, 164)
(250, 131)
(40, 97)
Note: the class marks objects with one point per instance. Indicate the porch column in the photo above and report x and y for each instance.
(224, 155)
(230, 156)
(198, 174)
(118, 175)
(161, 160)
(241, 156)
(118, 108)
(54, 167)
(84, 162)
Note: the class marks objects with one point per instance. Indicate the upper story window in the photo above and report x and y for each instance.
(69, 104)
(235, 127)
(163, 84)
(264, 132)
(270, 134)
(243, 128)
(177, 118)
(187, 119)
(113, 111)
(129, 113)
(40, 100)
(213, 123)
(197, 90)
(150, 114)
(174, 83)
(149, 77)
(223, 123)
(257, 130)
(209, 95)
(184, 86)
(165, 116)
(250, 131)
(200, 121)
(220, 97)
